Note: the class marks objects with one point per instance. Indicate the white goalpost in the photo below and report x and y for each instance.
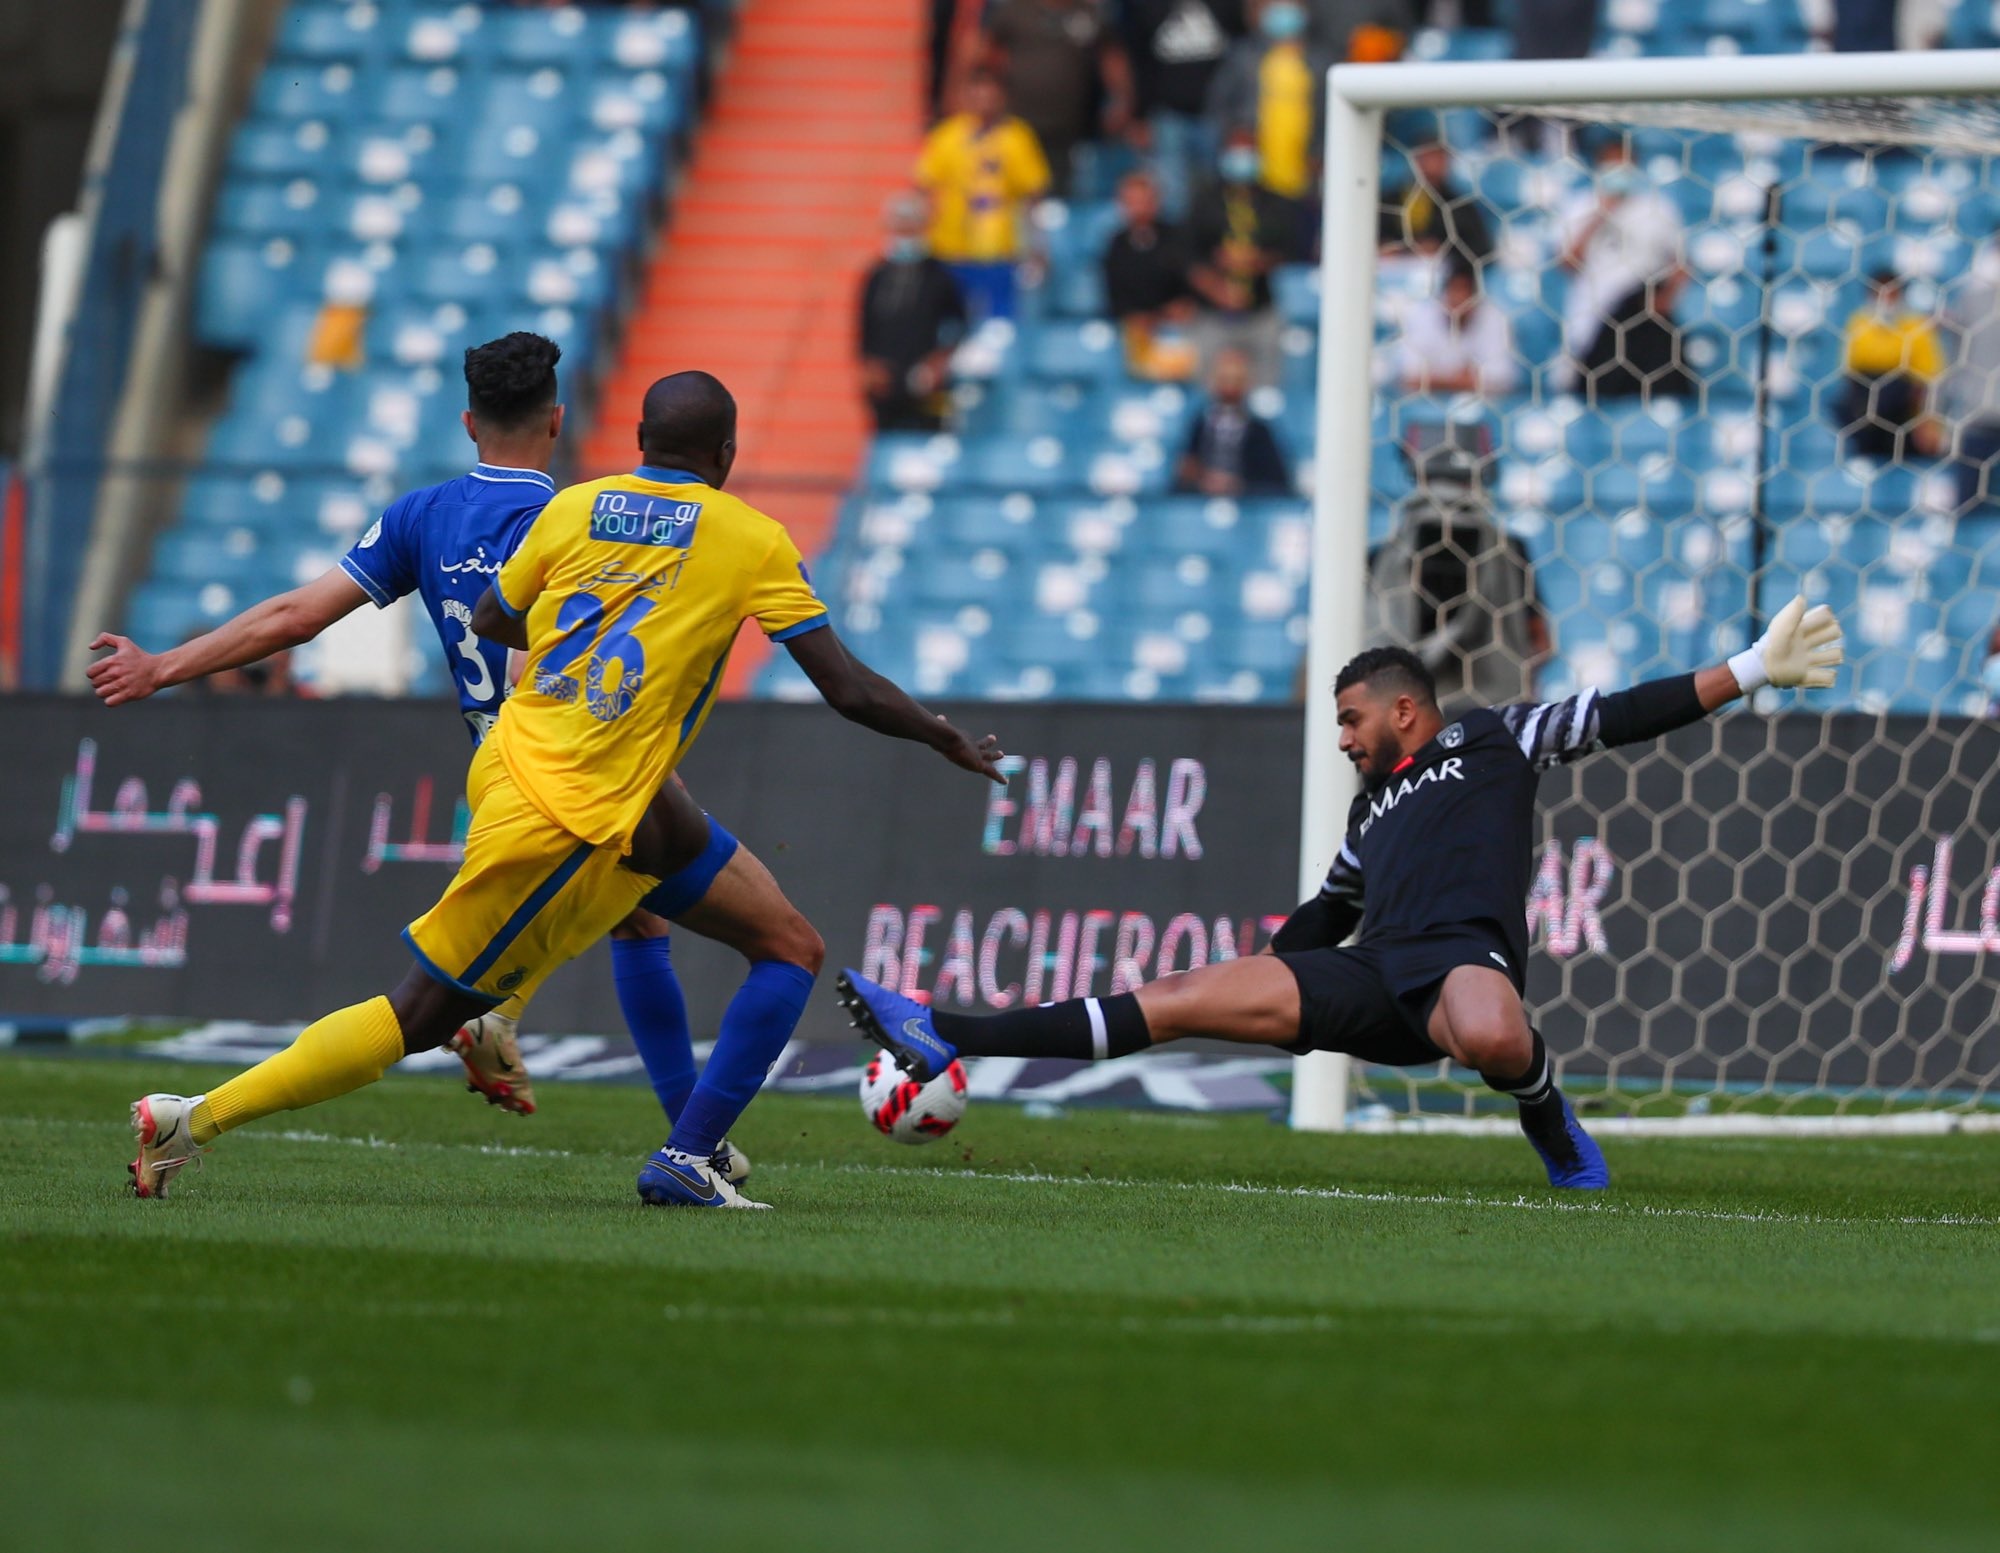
(1754, 927)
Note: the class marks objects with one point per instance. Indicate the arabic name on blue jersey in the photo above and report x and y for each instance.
(445, 543)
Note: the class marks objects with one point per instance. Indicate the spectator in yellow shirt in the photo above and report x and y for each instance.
(984, 170)
(1890, 361)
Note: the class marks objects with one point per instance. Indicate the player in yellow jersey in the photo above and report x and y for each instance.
(626, 595)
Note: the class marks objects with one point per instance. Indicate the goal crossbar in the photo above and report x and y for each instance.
(1706, 78)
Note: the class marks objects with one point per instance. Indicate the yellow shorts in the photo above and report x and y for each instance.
(528, 896)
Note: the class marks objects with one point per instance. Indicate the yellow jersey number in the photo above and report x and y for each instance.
(579, 620)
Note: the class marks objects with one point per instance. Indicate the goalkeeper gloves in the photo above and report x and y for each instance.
(1802, 647)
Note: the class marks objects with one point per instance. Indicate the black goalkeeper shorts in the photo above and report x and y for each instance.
(1374, 1000)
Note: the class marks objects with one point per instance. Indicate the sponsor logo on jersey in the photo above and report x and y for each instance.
(512, 979)
(1452, 770)
(374, 533)
(1453, 736)
(634, 518)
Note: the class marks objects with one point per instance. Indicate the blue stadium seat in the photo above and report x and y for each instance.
(293, 149)
(325, 33)
(1087, 351)
(540, 37)
(414, 94)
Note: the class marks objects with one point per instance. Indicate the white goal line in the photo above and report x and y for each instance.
(1896, 1124)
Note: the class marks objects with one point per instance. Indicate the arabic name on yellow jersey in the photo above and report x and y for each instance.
(634, 588)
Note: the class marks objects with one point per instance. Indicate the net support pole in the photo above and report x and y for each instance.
(1340, 526)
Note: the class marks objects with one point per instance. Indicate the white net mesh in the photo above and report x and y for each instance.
(1705, 357)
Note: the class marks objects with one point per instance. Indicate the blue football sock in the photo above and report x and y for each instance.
(656, 1014)
(755, 1027)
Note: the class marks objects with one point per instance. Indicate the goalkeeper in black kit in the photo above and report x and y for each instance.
(1435, 871)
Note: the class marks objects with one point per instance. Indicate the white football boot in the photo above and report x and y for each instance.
(160, 1127)
(491, 1051)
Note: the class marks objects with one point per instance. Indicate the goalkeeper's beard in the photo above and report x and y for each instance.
(1378, 765)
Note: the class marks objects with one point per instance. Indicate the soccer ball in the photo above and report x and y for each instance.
(907, 1111)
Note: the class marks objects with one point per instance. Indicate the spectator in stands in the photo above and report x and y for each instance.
(911, 316)
(1060, 59)
(1972, 385)
(1622, 240)
(1891, 359)
(1175, 48)
(1366, 31)
(1878, 26)
(1146, 284)
(1238, 233)
(984, 170)
(1272, 86)
(1231, 450)
(1549, 29)
(1457, 341)
(1433, 212)
(1451, 584)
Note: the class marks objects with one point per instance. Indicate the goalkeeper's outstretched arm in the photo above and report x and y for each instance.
(1802, 649)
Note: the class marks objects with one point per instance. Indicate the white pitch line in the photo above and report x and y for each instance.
(1583, 1205)
(1417, 1199)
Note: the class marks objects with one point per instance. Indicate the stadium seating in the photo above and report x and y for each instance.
(449, 174)
(1033, 552)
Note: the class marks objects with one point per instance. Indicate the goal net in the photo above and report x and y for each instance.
(1650, 347)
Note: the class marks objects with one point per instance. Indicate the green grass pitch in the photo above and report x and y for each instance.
(415, 1323)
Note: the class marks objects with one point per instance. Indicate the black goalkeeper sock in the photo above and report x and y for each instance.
(1086, 1028)
(1535, 1090)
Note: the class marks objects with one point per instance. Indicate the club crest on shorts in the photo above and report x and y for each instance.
(1453, 736)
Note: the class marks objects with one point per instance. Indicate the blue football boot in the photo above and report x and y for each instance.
(671, 1179)
(899, 1025)
(1573, 1158)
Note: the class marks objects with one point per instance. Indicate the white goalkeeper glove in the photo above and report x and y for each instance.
(1801, 647)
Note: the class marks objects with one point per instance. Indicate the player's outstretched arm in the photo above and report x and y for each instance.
(862, 696)
(288, 620)
(1801, 649)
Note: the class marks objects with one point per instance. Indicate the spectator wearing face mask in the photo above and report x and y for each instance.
(1622, 241)
(1271, 84)
(1231, 450)
(984, 170)
(1238, 233)
(911, 317)
(1176, 47)
(1890, 360)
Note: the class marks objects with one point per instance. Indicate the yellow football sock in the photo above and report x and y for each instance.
(343, 1051)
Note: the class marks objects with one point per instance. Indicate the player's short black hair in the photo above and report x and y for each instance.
(687, 413)
(1389, 668)
(511, 380)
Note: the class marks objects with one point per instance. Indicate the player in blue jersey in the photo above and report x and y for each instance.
(446, 543)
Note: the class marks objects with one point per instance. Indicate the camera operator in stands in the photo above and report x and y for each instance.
(1451, 584)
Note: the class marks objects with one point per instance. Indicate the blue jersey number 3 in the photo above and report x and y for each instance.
(608, 691)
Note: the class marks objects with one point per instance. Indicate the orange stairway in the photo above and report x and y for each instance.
(816, 120)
